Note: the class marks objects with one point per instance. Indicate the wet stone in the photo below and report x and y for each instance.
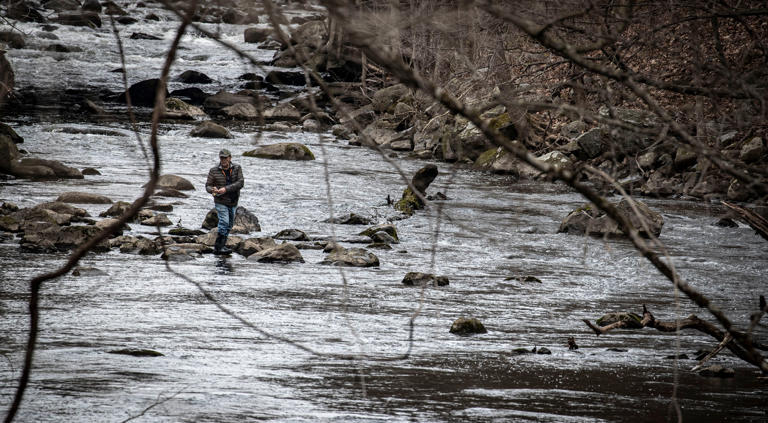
(467, 326)
(420, 279)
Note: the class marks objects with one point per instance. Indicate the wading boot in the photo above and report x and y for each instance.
(220, 247)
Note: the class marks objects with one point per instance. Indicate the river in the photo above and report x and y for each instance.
(214, 368)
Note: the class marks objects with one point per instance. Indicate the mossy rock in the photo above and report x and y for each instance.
(500, 121)
(9, 223)
(389, 229)
(486, 158)
(467, 326)
(409, 202)
(632, 319)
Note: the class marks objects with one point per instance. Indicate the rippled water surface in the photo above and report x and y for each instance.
(216, 369)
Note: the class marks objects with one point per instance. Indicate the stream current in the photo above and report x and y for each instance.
(490, 230)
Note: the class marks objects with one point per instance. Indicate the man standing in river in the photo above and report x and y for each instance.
(224, 182)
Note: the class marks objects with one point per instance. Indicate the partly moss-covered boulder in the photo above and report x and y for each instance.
(282, 151)
(388, 228)
(410, 201)
(467, 326)
(178, 109)
(499, 161)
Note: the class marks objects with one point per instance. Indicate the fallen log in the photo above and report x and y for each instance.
(693, 322)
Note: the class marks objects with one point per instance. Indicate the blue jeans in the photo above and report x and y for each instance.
(226, 218)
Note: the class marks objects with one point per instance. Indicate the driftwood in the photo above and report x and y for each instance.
(692, 322)
(757, 222)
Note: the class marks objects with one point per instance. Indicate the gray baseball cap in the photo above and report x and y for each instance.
(225, 153)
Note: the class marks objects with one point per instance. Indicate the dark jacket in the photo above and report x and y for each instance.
(218, 178)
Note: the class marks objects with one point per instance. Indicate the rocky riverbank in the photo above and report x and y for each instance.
(390, 117)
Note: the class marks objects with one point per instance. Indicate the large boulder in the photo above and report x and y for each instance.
(256, 34)
(51, 237)
(60, 207)
(91, 6)
(282, 151)
(245, 221)
(25, 11)
(10, 133)
(223, 99)
(178, 109)
(498, 160)
(387, 98)
(142, 93)
(9, 154)
(591, 143)
(209, 239)
(410, 200)
(117, 209)
(7, 78)
(174, 182)
(587, 219)
(80, 18)
(422, 279)
(283, 253)
(387, 228)
(295, 78)
(12, 39)
(241, 111)
(752, 150)
(83, 198)
(467, 326)
(194, 77)
(254, 245)
(354, 257)
(42, 168)
(61, 5)
(160, 219)
(283, 111)
(135, 245)
(312, 34)
(292, 235)
(349, 219)
(210, 129)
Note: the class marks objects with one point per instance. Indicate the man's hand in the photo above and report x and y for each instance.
(218, 191)
(222, 190)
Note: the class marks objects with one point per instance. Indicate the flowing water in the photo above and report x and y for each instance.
(214, 368)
